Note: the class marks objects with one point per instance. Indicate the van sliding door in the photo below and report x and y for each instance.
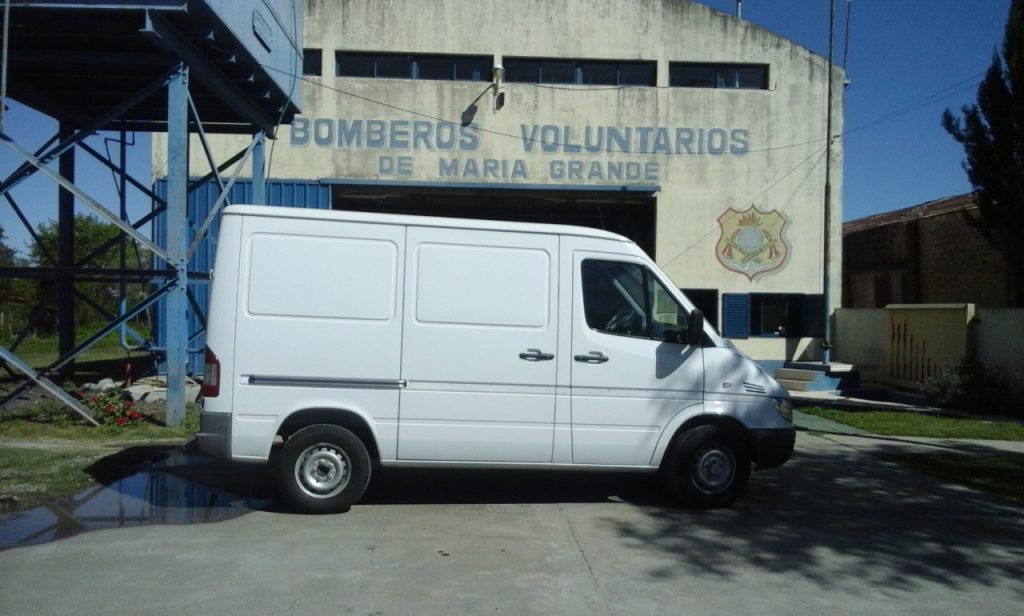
(479, 346)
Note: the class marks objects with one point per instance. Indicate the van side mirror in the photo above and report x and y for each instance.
(695, 328)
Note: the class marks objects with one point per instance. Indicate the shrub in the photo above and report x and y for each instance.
(972, 387)
(113, 407)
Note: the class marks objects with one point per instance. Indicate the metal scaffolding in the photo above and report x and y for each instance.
(178, 68)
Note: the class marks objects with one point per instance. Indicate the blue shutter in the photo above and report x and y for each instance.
(811, 315)
(736, 315)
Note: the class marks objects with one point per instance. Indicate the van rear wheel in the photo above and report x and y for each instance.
(324, 469)
(709, 467)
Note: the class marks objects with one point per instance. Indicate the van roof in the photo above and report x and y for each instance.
(274, 211)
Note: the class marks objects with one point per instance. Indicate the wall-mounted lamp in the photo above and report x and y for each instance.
(497, 73)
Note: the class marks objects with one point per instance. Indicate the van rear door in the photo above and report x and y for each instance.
(479, 346)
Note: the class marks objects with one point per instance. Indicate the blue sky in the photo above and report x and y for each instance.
(907, 61)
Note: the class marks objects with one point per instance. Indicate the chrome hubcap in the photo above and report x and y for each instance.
(322, 471)
(713, 469)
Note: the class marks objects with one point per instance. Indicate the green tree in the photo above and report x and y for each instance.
(992, 134)
(90, 234)
(15, 294)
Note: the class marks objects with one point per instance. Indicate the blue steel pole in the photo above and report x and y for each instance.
(259, 186)
(66, 255)
(176, 317)
(826, 288)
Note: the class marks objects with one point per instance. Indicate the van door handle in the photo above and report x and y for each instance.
(594, 357)
(536, 355)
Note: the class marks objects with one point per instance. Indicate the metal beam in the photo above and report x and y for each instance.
(48, 385)
(219, 204)
(237, 156)
(30, 229)
(205, 142)
(165, 36)
(66, 253)
(259, 184)
(25, 171)
(92, 203)
(176, 319)
(130, 314)
(81, 274)
(106, 162)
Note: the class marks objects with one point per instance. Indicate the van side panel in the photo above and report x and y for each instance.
(318, 326)
(480, 346)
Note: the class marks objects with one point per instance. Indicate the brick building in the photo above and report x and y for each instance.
(926, 254)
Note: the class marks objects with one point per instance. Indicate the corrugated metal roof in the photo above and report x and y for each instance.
(928, 209)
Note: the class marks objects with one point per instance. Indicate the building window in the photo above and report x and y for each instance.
(736, 76)
(312, 62)
(781, 315)
(706, 300)
(413, 66)
(580, 72)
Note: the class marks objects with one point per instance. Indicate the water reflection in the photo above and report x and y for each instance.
(154, 496)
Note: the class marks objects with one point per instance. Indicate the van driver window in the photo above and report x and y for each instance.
(625, 299)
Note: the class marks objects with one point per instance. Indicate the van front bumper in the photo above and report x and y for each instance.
(772, 447)
(214, 438)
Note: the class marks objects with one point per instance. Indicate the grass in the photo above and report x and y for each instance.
(895, 423)
(49, 423)
(47, 450)
(32, 476)
(1001, 476)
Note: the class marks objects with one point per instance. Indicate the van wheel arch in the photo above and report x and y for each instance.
(729, 424)
(349, 420)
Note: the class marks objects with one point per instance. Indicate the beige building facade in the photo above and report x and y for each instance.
(697, 134)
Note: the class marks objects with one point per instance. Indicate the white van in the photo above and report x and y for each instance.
(338, 341)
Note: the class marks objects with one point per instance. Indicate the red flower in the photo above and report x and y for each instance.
(121, 421)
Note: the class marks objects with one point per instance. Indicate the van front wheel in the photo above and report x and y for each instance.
(324, 469)
(708, 467)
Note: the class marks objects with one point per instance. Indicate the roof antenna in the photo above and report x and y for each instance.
(739, 9)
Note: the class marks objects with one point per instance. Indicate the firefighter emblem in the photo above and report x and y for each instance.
(751, 241)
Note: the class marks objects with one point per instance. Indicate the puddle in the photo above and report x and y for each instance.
(154, 496)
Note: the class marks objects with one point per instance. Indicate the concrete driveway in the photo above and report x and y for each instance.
(834, 531)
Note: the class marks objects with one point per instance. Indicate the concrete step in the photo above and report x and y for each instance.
(792, 385)
(795, 374)
(830, 368)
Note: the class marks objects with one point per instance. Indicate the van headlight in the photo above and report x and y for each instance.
(785, 408)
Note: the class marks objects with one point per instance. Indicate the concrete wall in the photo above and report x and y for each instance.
(999, 341)
(860, 340)
(899, 344)
(924, 339)
(771, 150)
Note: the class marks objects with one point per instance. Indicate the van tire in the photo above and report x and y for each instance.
(324, 468)
(708, 467)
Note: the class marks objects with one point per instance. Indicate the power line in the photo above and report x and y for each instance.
(946, 92)
(819, 153)
(935, 97)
